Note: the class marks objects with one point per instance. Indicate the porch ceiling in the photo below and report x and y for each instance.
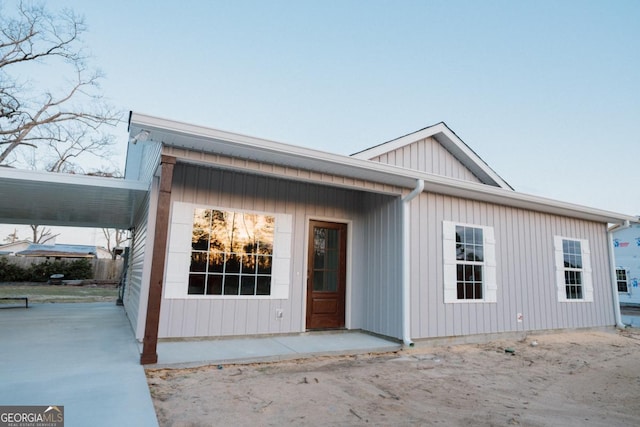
(45, 198)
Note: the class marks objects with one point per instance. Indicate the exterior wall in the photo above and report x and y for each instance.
(380, 294)
(135, 294)
(626, 249)
(526, 275)
(428, 155)
(192, 317)
(286, 172)
(143, 159)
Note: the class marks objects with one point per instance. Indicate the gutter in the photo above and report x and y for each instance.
(614, 277)
(406, 264)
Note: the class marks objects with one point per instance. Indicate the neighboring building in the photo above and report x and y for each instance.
(12, 248)
(413, 239)
(59, 251)
(626, 248)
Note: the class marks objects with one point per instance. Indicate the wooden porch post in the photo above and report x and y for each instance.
(150, 342)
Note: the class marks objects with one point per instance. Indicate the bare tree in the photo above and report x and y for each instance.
(119, 237)
(42, 234)
(12, 237)
(66, 118)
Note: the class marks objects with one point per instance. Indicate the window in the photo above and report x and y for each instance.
(573, 269)
(470, 261)
(231, 253)
(218, 253)
(469, 257)
(621, 279)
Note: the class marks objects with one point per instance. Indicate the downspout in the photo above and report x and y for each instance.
(614, 277)
(406, 263)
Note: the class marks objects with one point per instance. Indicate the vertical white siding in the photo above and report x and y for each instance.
(381, 272)
(143, 159)
(234, 190)
(427, 155)
(132, 294)
(525, 271)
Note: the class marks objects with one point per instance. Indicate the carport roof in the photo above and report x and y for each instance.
(46, 198)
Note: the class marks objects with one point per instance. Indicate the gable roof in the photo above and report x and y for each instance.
(451, 142)
(203, 140)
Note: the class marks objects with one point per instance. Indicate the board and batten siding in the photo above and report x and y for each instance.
(226, 189)
(427, 155)
(136, 272)
(526, 275)
(380, 271)
(142, 160)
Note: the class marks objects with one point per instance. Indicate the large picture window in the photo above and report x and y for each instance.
(573, 267)
(231, 253)
(469, 263)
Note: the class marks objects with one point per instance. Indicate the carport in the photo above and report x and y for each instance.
(81, 356)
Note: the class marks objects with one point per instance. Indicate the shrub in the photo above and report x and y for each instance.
(11, 273)
(72, 270)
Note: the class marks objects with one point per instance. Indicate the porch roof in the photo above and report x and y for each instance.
(213, 141)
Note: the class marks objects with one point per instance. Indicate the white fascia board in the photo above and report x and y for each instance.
(394, 144)
(171, 130)
(450, 142)
(265, 150)
(70, 179)
(485, 193)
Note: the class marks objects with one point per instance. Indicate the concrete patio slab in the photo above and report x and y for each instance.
(81, 356)
(191, 353)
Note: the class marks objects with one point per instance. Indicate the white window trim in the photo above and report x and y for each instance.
(587, 280)
(490, 285)
(176, 284)
(626, 272)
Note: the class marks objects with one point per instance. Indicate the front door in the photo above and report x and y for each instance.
(326, 275)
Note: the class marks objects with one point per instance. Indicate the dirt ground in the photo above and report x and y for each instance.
(564, 379)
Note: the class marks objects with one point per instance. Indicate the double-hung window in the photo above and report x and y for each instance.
(621, 279)
(469, 263)
(573, 269)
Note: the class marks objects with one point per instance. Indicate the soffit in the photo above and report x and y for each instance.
(45, 198)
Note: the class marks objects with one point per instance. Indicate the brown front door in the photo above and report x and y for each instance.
(326, 275)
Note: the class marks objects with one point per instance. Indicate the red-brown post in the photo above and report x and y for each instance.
(150, 343)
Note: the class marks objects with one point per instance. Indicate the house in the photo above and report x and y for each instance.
(414, 239)
(626, 249)
(59, 251)
(12, 248)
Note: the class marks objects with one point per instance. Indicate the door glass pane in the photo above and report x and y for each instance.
(318, 280)
(326, 259)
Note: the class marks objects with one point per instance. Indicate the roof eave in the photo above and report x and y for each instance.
(261, 150)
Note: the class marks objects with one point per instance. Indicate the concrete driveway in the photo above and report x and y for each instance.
(81, 356)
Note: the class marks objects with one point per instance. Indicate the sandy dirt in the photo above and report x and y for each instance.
(564, 379)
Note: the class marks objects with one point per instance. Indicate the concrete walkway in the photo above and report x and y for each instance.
(247, 350)
(84, 357)
(81, 356)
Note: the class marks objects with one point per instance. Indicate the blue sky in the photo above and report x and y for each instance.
(546, 92)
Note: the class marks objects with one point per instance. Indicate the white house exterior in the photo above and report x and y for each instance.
(414, 239)
(626, 248)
